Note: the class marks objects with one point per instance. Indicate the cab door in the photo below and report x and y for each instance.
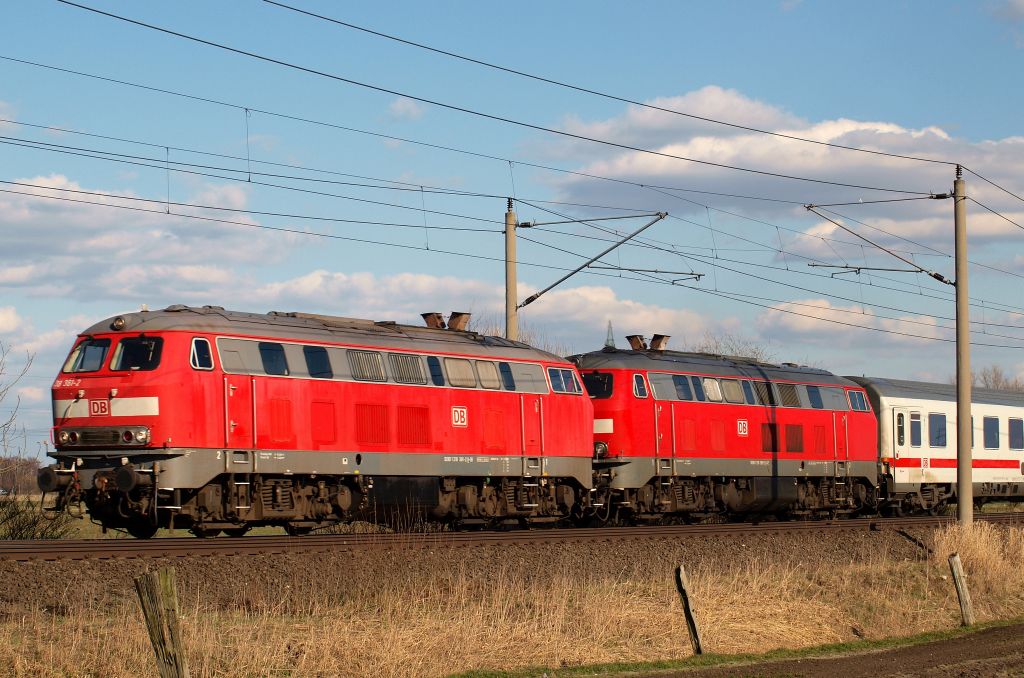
(664, 436)
(841, 446)
(531, 419)
(238, 411)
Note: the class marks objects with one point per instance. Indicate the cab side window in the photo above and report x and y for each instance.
(639, 386)
(202, 356)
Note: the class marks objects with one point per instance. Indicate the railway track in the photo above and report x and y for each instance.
(172, 547)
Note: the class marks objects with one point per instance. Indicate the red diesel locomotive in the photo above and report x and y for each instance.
(697, 434)
(217, 420)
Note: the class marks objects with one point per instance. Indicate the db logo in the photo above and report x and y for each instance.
(460, 417)
(741, 428)
(99, 408)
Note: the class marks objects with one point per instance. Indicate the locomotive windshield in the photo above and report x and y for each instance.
(598, 385)
(88, 356)
(137, 353)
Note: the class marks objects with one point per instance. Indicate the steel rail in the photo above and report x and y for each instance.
(175, 547)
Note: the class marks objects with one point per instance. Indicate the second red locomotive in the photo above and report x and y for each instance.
(701, 435)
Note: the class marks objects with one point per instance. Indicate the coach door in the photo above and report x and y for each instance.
(238, 412)
(531, 420)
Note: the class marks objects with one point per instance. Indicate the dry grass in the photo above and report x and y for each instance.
(431, 614)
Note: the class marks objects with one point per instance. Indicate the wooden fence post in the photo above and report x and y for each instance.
(158, 595)
(960, 581)
(683, 586)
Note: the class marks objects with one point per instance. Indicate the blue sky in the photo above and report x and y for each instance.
(932, 79)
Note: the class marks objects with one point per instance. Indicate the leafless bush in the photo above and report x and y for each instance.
(22, 518)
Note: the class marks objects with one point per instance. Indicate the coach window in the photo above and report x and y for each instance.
(88, 356)
(748, 393)
(900, 429)
(317, 363)
(915, 429)
(713, 390)
(460, 372)
(639, 387)
(991, 425)
(201, 357)
(814, 396)
(682, 384)
(436, 373)
(599, 385)
(407, 369)
(732, 391)
(488, 373)
(272, 355)
(936, 430)
(366, 366)
(1017, 434)
(507, 379)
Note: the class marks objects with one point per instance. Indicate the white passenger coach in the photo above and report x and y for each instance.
(917, 436)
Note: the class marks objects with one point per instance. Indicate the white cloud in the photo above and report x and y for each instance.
(403, 108)
(7, 113)
(1010, 10)
(819, 321)
(575, 316)
(93, 251)
(10, 321)
(32, 394)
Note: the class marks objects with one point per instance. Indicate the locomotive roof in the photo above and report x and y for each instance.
(923, 390)
(703, 363)
(295, 326)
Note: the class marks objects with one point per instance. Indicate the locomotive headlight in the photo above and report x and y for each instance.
(128, 436)
(73, 437)
(118, 323)
(63, 437)
(600, 450)
(142, 436)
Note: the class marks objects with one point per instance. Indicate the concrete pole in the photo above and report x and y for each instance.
(511, 294)
(964, 476)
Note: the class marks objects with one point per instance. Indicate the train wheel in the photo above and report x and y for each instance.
(141, 529)
(297, 530)
(236, 531)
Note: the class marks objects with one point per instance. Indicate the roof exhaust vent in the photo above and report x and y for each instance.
(637, 342)
(659, 342)
(433, 320)
(458, 321)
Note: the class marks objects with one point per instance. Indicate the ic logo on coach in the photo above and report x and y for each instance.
(99, 408)
(460, 417)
